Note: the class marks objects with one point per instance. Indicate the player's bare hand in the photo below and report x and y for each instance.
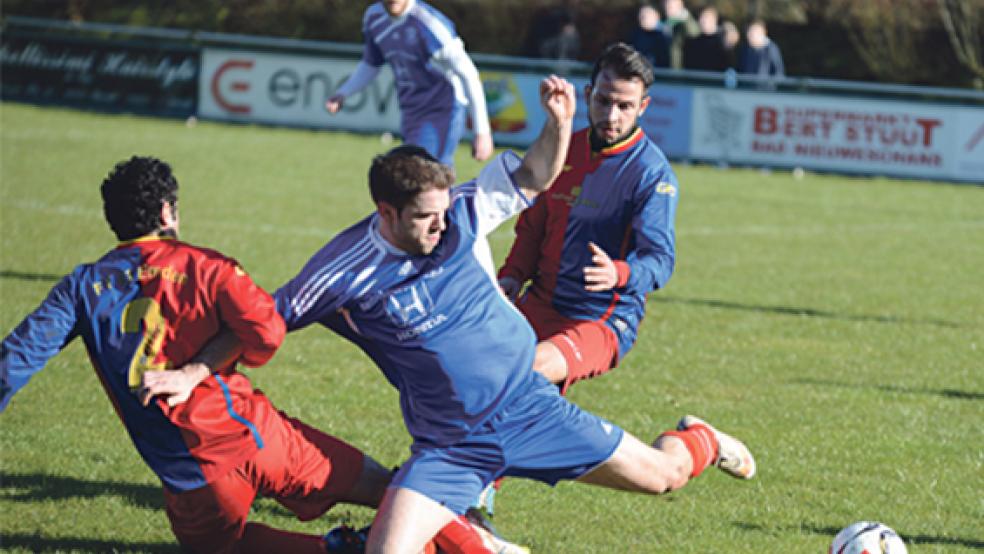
(558, 98)
(335, 103)
(482, 147)
(174, 386)
(603, 275)
(510, 287)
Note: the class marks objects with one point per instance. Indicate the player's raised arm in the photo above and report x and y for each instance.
(545, 158)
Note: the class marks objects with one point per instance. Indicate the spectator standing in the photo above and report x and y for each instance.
(706, 52)
(760, 56)
(680, 25)
(651, 38)
(731, 37)
(565, 43)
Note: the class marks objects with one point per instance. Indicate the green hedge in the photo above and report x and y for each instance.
(816, 48)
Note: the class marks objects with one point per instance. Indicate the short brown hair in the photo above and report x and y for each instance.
(399, 175)
(625, 62)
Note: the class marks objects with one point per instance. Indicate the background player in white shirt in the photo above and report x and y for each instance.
(435, 78)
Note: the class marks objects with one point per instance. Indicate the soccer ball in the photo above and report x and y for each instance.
(867, 537)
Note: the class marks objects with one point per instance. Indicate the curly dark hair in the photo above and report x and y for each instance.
(134, 193)
(399, 175)
(626, 62)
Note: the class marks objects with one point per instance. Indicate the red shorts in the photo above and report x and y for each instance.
(589, 347)
(302, 468)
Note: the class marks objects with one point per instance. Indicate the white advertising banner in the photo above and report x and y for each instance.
(839, 134)
(290, 89)
(849, 135)
(970, 145)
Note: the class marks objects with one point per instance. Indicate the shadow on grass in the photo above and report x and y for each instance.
(26, 276)
(945, 393)
(803, 312)
(35, 543)
(827, 531)
(36, 487)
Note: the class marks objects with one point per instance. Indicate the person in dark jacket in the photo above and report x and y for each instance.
(760, 56)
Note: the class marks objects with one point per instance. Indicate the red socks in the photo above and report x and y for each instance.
(460, 537)
(700, 442)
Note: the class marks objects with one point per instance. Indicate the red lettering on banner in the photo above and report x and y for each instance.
(238, 86)
(972, 143)
(768, 147)
(928, 125)
(765, 121)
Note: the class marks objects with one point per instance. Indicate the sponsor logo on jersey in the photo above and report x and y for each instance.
(410, 309)
(574, 198)
(409, 305)
(666, 188)
(422, 328)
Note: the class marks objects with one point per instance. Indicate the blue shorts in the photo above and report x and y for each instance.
(438, 132)
(539, 436)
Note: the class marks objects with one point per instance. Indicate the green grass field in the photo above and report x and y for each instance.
(835, 324)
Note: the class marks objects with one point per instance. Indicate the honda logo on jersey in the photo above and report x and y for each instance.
(409, 305)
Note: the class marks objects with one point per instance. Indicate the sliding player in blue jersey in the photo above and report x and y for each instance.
(410, 285)
(435, 78)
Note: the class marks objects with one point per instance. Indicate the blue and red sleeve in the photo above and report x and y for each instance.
(37, 339)
(524, 256)
(650, 263)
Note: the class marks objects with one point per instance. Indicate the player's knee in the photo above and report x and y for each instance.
(667, 474)
(550, 362)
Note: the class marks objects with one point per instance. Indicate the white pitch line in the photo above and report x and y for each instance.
(506, 229)
(87, 213)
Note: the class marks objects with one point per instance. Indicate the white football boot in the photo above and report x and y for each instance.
(734, 458)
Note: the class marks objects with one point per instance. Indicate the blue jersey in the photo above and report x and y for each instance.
(411, 43)
(436, 325)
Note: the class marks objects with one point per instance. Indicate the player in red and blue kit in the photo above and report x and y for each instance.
(603, 237)
(435, 77)
(145, 310)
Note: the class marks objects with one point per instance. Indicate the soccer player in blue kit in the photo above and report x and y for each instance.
(411, 285)
(435, 78)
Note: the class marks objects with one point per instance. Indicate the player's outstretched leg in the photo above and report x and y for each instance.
(675, 458)
(733, 458)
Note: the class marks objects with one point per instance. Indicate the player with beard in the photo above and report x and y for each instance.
(602, 237)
